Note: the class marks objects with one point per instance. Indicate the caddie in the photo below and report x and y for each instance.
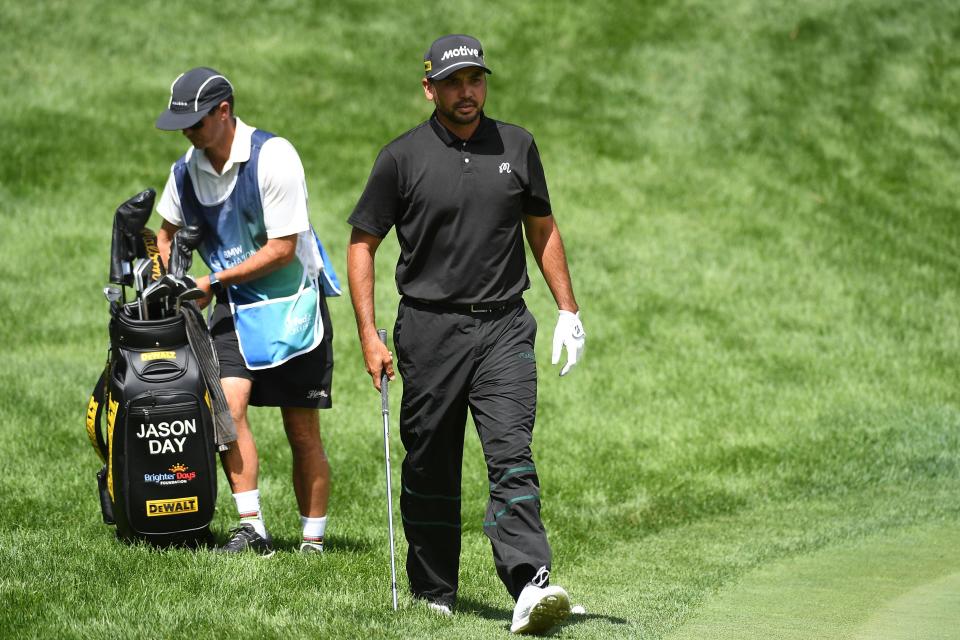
(245, 189)
(460, 189)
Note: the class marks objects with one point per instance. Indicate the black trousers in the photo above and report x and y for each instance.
(451, 362)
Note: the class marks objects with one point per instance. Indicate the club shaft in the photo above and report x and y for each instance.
(385, 411)
(393, 561)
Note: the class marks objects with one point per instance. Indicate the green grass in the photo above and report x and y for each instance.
(901, 586)
(759, 203)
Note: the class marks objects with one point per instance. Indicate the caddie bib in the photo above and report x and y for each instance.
(277, 316)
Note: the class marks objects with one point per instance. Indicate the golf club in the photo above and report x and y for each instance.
(141, 278)
(385, 408)
(192, 293)
(113, 296)
(156, 295)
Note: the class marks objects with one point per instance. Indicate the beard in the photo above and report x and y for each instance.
(454, 116)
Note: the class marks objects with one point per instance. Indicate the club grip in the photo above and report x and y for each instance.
(382, 333)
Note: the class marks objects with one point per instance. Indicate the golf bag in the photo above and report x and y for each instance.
(158, 482)
(159, 478)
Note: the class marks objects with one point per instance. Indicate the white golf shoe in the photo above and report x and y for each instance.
(540, 609)
(440, 608)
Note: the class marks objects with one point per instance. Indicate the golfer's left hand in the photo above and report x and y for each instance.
(570, 334)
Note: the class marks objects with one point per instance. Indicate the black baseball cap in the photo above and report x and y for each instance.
(192, 95)
(450, 53)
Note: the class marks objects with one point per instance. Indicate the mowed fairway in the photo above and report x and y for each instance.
(893, 587)
(760, 207)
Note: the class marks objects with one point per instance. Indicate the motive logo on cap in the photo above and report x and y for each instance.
(449, 53)
(459, 51)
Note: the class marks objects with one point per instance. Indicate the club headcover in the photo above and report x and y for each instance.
(128, 221)
(181, 251)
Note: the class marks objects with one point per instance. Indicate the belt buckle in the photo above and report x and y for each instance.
(476, 308)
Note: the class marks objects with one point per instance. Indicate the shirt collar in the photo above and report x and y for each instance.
(450, 139)
(239, 150)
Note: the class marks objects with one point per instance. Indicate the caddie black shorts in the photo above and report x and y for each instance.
(305, 381)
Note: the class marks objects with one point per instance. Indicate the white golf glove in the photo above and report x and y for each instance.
(570, 334)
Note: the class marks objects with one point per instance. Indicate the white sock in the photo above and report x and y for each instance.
(313, 528)
(248, 506)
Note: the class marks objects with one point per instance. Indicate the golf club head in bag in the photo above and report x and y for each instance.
(128, 221)
(185, 240)
(142, 271)
(155, 298)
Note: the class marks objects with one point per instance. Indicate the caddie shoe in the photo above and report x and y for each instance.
(313, 545)
(246, 538)
(539, 609)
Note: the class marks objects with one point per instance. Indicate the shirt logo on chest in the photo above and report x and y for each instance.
(504, 167)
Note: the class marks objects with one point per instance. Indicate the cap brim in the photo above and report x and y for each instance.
(177, 120)
(173, 121)
(453, 68)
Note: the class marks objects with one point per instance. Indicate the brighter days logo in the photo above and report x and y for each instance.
(177, 474)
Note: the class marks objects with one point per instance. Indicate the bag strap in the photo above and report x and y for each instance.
(94, 412)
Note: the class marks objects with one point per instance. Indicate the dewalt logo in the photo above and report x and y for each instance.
(158, 355)
(171, 507)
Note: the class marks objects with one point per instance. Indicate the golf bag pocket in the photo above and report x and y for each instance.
(159, 481)
(168, 455)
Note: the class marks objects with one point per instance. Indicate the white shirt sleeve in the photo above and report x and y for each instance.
(169, 205)
(283, 189)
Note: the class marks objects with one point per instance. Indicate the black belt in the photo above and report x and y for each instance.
(476, 307)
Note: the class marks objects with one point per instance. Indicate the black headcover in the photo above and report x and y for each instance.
(127, 243)
(185, 240)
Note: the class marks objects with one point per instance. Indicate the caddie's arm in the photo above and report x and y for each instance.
(360, 274)
(545, 242)
(165, 240)
(277, 253)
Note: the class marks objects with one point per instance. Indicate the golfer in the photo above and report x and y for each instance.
(460, 189)
(245, 189)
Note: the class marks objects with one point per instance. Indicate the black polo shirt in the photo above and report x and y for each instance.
(458, 207)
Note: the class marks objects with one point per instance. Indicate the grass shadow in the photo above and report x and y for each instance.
(579, 618)
(480, 609)
(483, 610)
(332, 544)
